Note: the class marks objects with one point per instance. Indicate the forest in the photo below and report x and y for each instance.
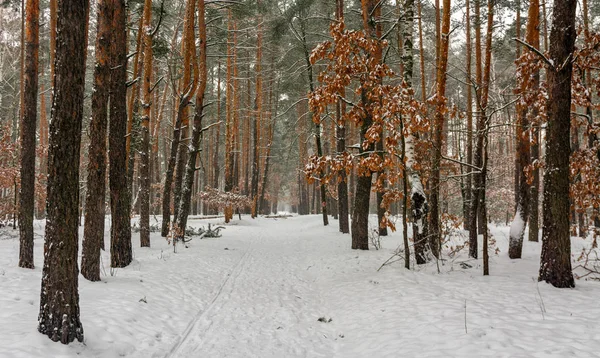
(232, 169)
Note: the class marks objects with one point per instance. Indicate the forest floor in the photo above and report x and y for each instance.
(293, 288)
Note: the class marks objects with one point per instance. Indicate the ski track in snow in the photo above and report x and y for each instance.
(259, 291)
(193, 324)
(264, 309)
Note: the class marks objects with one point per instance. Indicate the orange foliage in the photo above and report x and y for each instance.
(352, 67)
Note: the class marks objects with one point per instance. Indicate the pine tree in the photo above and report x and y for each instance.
(27, 133)
(434, 216)
(555, 265)
(93, 234)
(59, 299)
(120, 200)
(524, 151)
(187, 89)
(258, 105)
(146, 112)
(190, 169)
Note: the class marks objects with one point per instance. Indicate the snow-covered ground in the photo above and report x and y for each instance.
(260, 290)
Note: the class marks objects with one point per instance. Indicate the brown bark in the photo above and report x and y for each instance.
(235, 101)
(189, 59)
(53, 10)
(482, 219)
(133, 107)
(257, 121)
(59, 298)
(555, 265)
(421, 54)
(43, 157)
(263, 206)
(525, 203)
(371, 12)
(469, 178)
(27, 133)
(145, 126)
(434, 218)
(248, 130)
(518, 169)
(534, 215)
(187, 89)
(93, 233)
(194, 148)
(229, 136)
(120, 200)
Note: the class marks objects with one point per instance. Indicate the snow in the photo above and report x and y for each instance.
(517, 227)
(260, 290)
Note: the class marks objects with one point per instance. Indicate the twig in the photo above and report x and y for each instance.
(542, 305)
(536, 51)
(466, 316)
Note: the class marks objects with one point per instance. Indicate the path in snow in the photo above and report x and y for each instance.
(267, 306)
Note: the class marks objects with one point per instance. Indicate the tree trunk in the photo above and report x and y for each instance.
(43, 152)
(434, 216)
(593, 137)
(360, 215)
(190, 170)
(218, 133)
(53, 10)
(187, 89)
(27, 133)
(120, 201)
(257, 121)
(418, 200)
(309, 72)
(524, 204)
(469, 177)
(263, 205)
(146, 110)
(340, 133)
(371, 12)
(59, 299)
(518, 169)
(478, 155)
(93, 232)
(189, 59)
(229, 137)
(555, 266)
(421, 54)
(248, 130)
(133, 104)
(484, 123)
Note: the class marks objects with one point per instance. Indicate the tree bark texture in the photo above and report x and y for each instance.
(190, 169)
(146, 112)
(120, 200)
(28, 133)
(434, 215)
(93, 232)
(555, 266)
(59, 298)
